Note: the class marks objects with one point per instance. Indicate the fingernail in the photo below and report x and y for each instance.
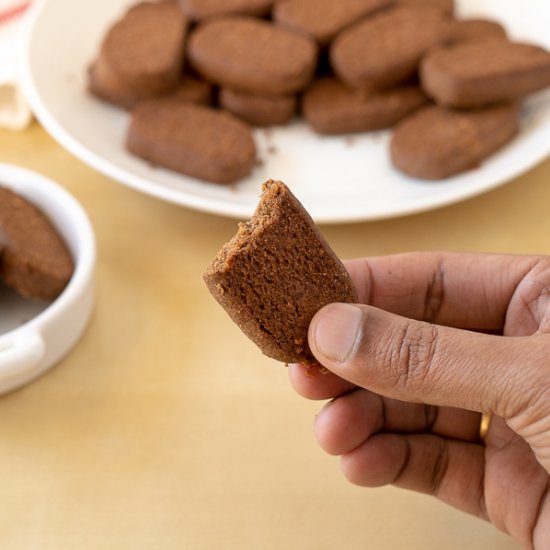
(335, 331)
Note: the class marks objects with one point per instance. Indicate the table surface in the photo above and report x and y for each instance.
(166, 428)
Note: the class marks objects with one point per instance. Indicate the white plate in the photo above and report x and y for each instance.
(337, 179)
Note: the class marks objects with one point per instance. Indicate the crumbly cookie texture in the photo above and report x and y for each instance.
(276, 273)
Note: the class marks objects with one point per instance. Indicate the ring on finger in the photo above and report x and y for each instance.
(484, 426)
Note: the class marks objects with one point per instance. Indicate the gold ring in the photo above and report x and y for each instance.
(484, 425)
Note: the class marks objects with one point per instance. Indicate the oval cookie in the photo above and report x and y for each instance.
(258, 110)
(323, 19)
(331, 108)
(474, 74)
(141, 56)
(199, 10)
(35, 261)
(191, 139)
(448, 6)
(253, 55)
(193, 90)
(385, 50)
(436, 142)
(467, 30)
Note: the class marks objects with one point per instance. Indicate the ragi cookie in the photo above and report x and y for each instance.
(330, 107)
(252, 55)
(197, 141)
(258, 110)
(385, 50)
(104, 85)
(467, 30)
(200, 10)
(436, 142)
(276, 273)
(141, 56)
(193, 90)
(448, 6)
(323, 19)
(474, 74)
(34, 259)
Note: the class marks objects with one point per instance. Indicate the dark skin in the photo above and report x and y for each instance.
(444, 338)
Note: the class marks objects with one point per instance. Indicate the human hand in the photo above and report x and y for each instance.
(444, 338)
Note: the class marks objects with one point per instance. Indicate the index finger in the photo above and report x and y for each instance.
(470, 291)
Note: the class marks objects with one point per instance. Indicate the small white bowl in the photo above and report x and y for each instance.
(34, 335)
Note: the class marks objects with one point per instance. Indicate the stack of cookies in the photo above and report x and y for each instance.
(197, 75)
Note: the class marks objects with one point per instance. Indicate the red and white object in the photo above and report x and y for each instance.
(14, 110)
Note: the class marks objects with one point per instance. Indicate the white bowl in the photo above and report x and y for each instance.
(35, 335)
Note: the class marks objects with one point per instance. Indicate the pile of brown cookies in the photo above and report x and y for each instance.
(34, 260)
(197, 74)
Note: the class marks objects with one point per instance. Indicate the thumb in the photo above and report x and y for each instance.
(419, 362)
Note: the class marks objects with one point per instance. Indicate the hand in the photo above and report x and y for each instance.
(444, 338)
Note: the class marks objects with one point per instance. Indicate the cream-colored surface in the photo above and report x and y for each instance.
(167, 429)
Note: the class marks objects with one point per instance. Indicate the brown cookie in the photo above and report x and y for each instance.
(193, 90)
(200, 10)
(253, 55)
(385, 50)
(448, 6)
(258, 110)
(141, 56)
(34, 261)
(474, 74)
(436, 142)
(194, 140)
(323, 19)
(466, 30)
(105, 86)
(330, 107)
(276, 273)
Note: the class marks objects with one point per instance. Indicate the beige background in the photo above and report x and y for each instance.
(166, 428)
